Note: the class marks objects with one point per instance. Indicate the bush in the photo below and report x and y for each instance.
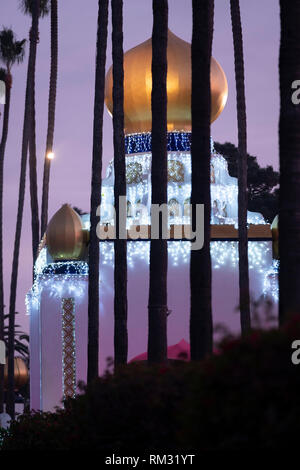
(244, 397)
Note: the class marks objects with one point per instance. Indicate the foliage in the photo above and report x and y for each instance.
(26, 7)
(263, 193)
(11, 50)
(4, 433)
(244, 397)
(79, 211)
(21, 340)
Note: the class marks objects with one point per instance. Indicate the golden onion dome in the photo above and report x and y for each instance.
(65, 236)
(21, 373)
(138, 86)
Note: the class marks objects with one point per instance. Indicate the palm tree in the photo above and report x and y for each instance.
(120, 245)
(11, 52)
(201, 335)
(242, 165)
(21, 339)
(43, 10)
(51, 116)
(28, 112)
(157, 305)
(93, 307)
(3, 79)
(289, 147)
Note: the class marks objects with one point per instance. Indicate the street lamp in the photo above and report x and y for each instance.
(50, 155)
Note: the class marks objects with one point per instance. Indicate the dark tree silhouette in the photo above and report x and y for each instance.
(120, 245)
(11, 52)
(93, 308)
(242, 165)
(262, 182)
(43, 10)
(201, 330)
(289, 151)
(15, 264)
(157, 306)
(51, 115)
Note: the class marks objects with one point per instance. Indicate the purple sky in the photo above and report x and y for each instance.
(70, 177)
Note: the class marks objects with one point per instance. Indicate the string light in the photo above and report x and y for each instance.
(141, 143)
(68, 348)
(60, 279)
(63, 279)
(224, 188)
(271, 287)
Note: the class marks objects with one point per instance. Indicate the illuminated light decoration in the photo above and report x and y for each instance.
(224, 188)
(41, 262)
(271, 287)
(56, 286)
(222, 253)
(59, 279)
(142, 143)
(175, 171)
(68, 278)
(134, 173)
(62, 279)
(68, 348)
(66, 267)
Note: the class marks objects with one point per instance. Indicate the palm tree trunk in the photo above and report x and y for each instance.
(289, 146)
(10, 407)
(157, 306)
(33, 181)
(93, 308)
(201, 330)
(2, 153)
(51, 115)
(242, 165)
(120, 245)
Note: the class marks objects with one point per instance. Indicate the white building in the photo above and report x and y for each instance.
(57, 302)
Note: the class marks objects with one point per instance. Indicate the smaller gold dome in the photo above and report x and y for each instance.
(138, 87)
(64, 235)
(21, 373)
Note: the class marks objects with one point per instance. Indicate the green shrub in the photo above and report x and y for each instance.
(244, 397)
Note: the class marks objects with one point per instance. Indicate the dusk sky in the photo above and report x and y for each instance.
(70, 173)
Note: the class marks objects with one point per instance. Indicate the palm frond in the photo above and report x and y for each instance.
(26, 7)
(20, 50)
(11, 50)
(21, 338)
